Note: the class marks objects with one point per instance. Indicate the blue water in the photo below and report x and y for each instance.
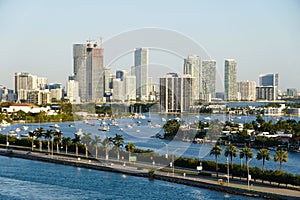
(25, 179)
(143, 138)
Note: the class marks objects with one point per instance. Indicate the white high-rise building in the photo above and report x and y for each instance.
(208, 79)
(247, 90)
(119, 90)
(73, 91)
(176, 93)
(141, 73)
(230, 82)
(191, 66)
(130, 88)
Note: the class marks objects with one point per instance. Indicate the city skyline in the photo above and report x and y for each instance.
(264, 43)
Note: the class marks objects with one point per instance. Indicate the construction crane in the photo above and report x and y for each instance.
(100, 38)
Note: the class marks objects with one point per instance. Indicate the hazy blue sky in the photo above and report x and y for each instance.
(263, 36)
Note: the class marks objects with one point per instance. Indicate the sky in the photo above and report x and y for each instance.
(261, 35)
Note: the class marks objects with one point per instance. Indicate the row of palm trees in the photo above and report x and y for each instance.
(86, 140)
(247, 153)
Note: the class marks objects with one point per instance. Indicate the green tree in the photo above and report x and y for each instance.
(263, 154)
(39, 134)
(66, 141)
(76, 142)
(57, 138)
(86, 140)
(130, 148)
(216, 151)
(106, 143)
(231, 151)
(281, 156)
(171, 128)
(48, 136)
(247, 153)
(95, 143)
(118, 142)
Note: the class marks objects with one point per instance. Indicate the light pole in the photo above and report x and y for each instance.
(173, 165)
(166, 149)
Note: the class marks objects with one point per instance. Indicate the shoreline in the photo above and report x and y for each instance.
(201, 182)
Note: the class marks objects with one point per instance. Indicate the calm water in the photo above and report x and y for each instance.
(25, 179)
(142, 138)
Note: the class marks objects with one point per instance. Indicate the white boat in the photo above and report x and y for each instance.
(25, 128)
(55, 126)
(207, 118)
(18, 130)
(4, 123)
(163, 119)
(25, 135)
(104, 128)
(129, 126)
(12, 133)
(79, 133)
(138, 130)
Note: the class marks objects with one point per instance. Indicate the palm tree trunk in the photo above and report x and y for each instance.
(96, 151)
(32, 143)
(86, 152)
(41, 144)
(66, 149)
(217, 166)
(118, 154)
(106, 153)
(76, 146)
(263, 165)
(280, 166)
(48, 146)
(57, 147)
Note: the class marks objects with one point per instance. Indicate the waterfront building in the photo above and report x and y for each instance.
(6, 95)
(39, 97)
(292, 92)
(208, 79)
(130, 88)
(176, 93)
(269, 80)
(230, 80)
(119, 90)
(88, 71)
(73, 91)
(293, 111)
(141, 73)
(247, 90)
(191, 66)
(267, 93)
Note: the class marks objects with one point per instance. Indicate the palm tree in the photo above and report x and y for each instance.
(76, 141)
(57, 138)
(95, 143)
(281, 156)
(66, 141)
(130, 148)
(216, 151)
(32, 135)
(231, 151)
(48, 135)
(118, 141)
(86, 139)
(263, 154)
(247, 153)
(106, 143)
(39, 134)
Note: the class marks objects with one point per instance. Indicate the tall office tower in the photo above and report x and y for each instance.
(73, 91)
(266, 93)
(208, 79)
(247, 90)
(121, 74)
(130, 88)
(141, 73)
(292, 92)
(230, 83)
(88, 71)
(42, 82)
(191, 66)
(24, 82)
(176, 93)
(106, 82)
(119, 90)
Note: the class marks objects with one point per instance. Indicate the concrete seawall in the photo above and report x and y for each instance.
(159, 176)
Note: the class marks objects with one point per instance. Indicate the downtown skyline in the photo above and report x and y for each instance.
(265, 43)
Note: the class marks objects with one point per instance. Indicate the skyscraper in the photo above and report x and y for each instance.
(88, 71)
(230, 83)
(268, 79)
(191, 66)
(268, 87)
(208, 79)
(247, 90)
(141, 73)
(176, 93)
